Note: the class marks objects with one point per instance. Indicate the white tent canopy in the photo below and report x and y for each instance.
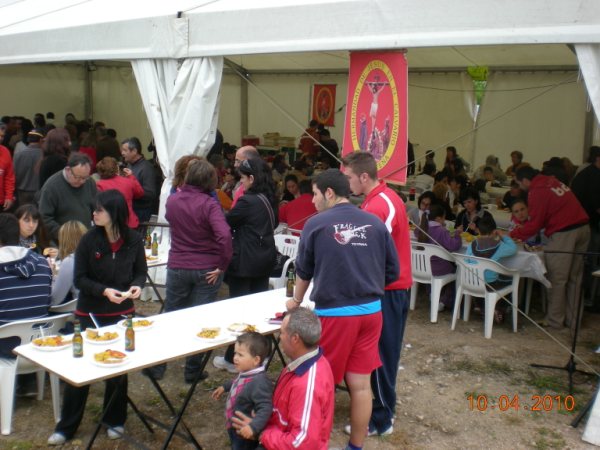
(304, 36)
(69, 30)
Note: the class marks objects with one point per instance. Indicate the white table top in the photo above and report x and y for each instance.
(173, 336)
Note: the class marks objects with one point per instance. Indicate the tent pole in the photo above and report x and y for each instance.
(588, 133)
(89, 67)
(244, 106)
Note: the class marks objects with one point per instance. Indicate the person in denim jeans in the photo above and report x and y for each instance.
(201, 249)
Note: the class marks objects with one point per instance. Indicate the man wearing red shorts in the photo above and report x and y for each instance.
(350, 256)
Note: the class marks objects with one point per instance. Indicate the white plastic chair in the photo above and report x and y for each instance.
(26, 330)
(421, 272)
(69, 306)
(471, 282)
(287, 245)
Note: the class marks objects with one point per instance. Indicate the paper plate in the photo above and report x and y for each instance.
(138, 328)
(96, 342)
(109, 365)
(48, 348)
(221, 337)
(239, 328)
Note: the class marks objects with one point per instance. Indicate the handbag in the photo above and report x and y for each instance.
(280, 258)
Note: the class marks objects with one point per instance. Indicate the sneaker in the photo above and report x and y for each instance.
(387, 432)
(190, 378)
(441, 307)
(220, 363)
(57, 439)
(115, 432)
(348, 430)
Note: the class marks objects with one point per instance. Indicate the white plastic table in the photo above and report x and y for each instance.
(172, 336)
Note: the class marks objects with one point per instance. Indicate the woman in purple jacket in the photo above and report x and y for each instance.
(432, 229)
(200, 250)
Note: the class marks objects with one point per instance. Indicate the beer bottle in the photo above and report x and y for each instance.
(77, 340)
(154, 245)
(148, 241)
(129, 335)
(289, 287)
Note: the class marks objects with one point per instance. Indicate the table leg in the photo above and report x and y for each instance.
(188, 397)
(155, 289)
(276, 349)
(139, 414)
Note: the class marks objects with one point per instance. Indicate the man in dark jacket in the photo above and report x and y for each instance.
(131, 150)
(348, 298)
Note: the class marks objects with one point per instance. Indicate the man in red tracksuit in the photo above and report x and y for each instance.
(361, 170)
(303, 400)
(7, 175)
(554, 208)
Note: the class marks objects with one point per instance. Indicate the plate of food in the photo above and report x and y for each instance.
(139, 324)
(110, 358)
(211, 335)
(51, 343)
(101, 338)
(240, 328)
(466, 236)
(151, 258)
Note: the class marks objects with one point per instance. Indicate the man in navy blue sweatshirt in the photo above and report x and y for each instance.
(350, 257)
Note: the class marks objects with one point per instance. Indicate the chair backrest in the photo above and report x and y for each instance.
(64, 307)
(29, 329)
(287, 244)
(471, 272)
(421, 259)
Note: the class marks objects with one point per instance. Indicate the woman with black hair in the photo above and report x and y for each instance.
(473, 212)
(252, 221)
(110, 271)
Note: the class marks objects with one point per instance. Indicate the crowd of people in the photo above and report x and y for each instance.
(555, 206)
(76, 202)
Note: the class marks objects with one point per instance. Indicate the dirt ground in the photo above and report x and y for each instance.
(440, 370)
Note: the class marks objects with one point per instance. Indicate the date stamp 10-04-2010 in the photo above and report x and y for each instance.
(514, 402)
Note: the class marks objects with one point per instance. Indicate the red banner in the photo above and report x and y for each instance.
(323, 104)
(377, 111)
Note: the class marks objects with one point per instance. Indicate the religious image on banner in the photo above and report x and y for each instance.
(323, 104)
(377, 117)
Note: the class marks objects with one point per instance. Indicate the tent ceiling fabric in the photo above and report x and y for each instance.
(505, 56)
(75, 30)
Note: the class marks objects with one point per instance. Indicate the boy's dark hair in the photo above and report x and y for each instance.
(334, 179)
(486, 225)
(258, 345)
(9, 230)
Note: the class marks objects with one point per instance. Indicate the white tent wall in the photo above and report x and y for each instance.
(117, 102)
(551, 125)
(293, 93)
(32, 88)
(437, 114)
(230, 113)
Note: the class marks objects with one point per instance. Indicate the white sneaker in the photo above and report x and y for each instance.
(57, 439)
(390, 430)
(220, 363)
(115, 432)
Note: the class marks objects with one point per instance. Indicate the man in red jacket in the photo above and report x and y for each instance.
(298, 211)
(303, 400)
(554, 208)
(7, 175)
(361, 170)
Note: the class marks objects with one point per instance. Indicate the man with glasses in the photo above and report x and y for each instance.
(241, 155)
(68, 195)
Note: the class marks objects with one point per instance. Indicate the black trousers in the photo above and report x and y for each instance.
(75, 398)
